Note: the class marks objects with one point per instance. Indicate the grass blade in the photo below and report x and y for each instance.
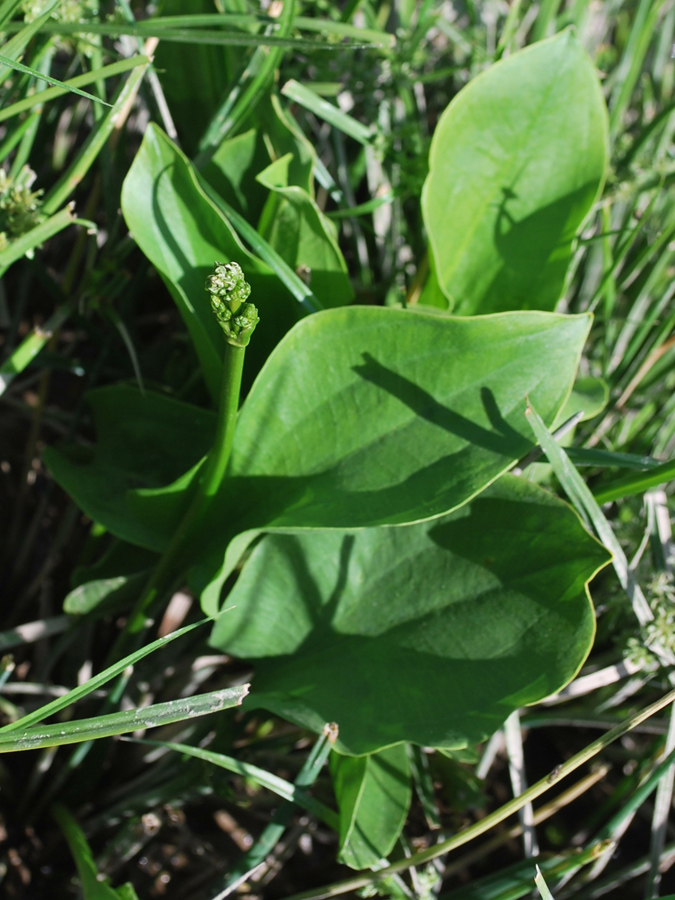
(26, 70)
(35, 738)
(31, 346)
(542, 887)
(274, 831)
(587, 506)
(630, 485)
(184, 35)
(249, 89)
(97, 681)
(15, 46)
(326, 111)
(94, 143)
(72, 85)
(293, 793)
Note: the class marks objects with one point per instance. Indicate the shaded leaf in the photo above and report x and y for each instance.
(144, 440)
(433, 633)
(373, 794)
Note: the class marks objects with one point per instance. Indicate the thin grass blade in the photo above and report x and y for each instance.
(326, 111)
(587, 506)
(26, 70)
(96, 682)
(181, 710)
(71, 85)
(293, 793)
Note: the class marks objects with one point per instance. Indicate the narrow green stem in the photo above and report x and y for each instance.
(169, 567)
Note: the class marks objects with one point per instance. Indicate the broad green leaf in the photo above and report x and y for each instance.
(411, 414)
(433, 633)
(373, 794)
(297, 229)
(365, 416)
(362, 416)
(183, 234)
(516, 162)
(144, 441)
(94, 885)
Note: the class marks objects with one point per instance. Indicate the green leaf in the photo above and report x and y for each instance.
(433, 633)
(373, 794)
(304, 238)
(516, 162)
(365, 416)
(144, 441)
(362, 416)
(183, 234)
(414, 413)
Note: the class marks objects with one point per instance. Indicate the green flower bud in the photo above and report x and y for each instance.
(229, 291)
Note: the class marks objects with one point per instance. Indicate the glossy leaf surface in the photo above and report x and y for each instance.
(516, 162)
(431, 633)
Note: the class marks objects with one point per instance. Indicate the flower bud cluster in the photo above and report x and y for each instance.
(19, 206)
(229, 292)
